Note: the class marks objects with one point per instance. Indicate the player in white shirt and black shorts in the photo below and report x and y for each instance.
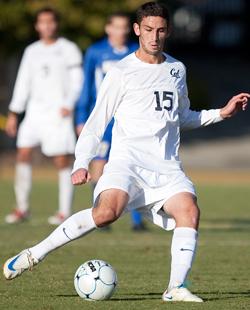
(146, 93)
(47, 87)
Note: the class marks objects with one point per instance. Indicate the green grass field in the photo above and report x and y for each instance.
(220, 274)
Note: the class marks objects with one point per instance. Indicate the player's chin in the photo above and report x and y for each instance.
(154, 51)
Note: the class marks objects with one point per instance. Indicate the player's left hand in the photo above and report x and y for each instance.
(65, 112)
(235, 104)
(79, 129)
(80, 176)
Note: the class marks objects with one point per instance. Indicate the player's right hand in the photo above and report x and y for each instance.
(11, 125)
(79, 129)
(65, 112)
(80, 176)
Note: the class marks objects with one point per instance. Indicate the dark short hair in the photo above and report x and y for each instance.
(152, 9)
(117, 14)
(49, 10)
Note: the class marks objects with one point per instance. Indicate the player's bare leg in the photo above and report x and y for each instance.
(22, 186)
(184, 209)
(66, 190)
(110, 207)
(96, 171)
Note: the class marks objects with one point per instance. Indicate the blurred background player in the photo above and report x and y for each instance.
(99, 58)
(48, 84)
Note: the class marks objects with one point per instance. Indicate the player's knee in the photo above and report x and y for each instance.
(62, 161)
(104, 216)
(192, 212)
(195, 214)
(24, 156)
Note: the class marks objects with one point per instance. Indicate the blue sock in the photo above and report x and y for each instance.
(136, 217)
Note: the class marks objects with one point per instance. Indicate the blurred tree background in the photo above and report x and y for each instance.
(81, 20)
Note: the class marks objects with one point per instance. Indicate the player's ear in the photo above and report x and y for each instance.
(36, 27)
(106, 29)
(137, 29)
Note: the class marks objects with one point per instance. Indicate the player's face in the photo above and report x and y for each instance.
(46, 26)
(118, 29)
(152, 33)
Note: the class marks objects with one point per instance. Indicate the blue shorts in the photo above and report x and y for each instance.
(105, 145)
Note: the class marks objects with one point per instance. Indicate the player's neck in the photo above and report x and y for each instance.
(49, 41)
(151, 59)
(117, 45)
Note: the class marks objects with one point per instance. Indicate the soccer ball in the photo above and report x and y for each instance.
(95, 280)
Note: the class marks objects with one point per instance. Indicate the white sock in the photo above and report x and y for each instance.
(66, 191)
(22, 186)
(183, 251)
(77, 225)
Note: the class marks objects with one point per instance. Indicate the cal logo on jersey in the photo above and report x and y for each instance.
(175, 73)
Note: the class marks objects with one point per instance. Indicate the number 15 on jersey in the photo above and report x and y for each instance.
(164, 100)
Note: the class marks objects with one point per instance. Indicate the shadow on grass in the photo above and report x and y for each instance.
(224, 295)
(155, 295)
(134, 297)
(126, 297)
(65, 295)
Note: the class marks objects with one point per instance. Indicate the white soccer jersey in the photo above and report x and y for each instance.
(150, 105)
(49, 77)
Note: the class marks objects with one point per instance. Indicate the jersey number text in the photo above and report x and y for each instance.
(164, 100)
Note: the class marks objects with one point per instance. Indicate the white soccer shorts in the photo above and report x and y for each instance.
(147, 190)
(55, 136)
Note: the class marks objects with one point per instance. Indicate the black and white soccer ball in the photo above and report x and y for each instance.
(95, 280)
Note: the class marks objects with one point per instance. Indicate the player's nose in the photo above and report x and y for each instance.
(155, 37)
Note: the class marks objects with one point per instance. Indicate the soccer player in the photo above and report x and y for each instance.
(99, 58)
(47, 87)
(146, 93)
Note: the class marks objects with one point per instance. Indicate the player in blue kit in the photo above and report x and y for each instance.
(99, 58)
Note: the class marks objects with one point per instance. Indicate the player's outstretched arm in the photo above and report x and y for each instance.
(79, 129)
(108, 101)
(235, 104)
(80, 176)
(190, 119)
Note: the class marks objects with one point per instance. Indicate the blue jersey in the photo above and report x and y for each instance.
(99, 58)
